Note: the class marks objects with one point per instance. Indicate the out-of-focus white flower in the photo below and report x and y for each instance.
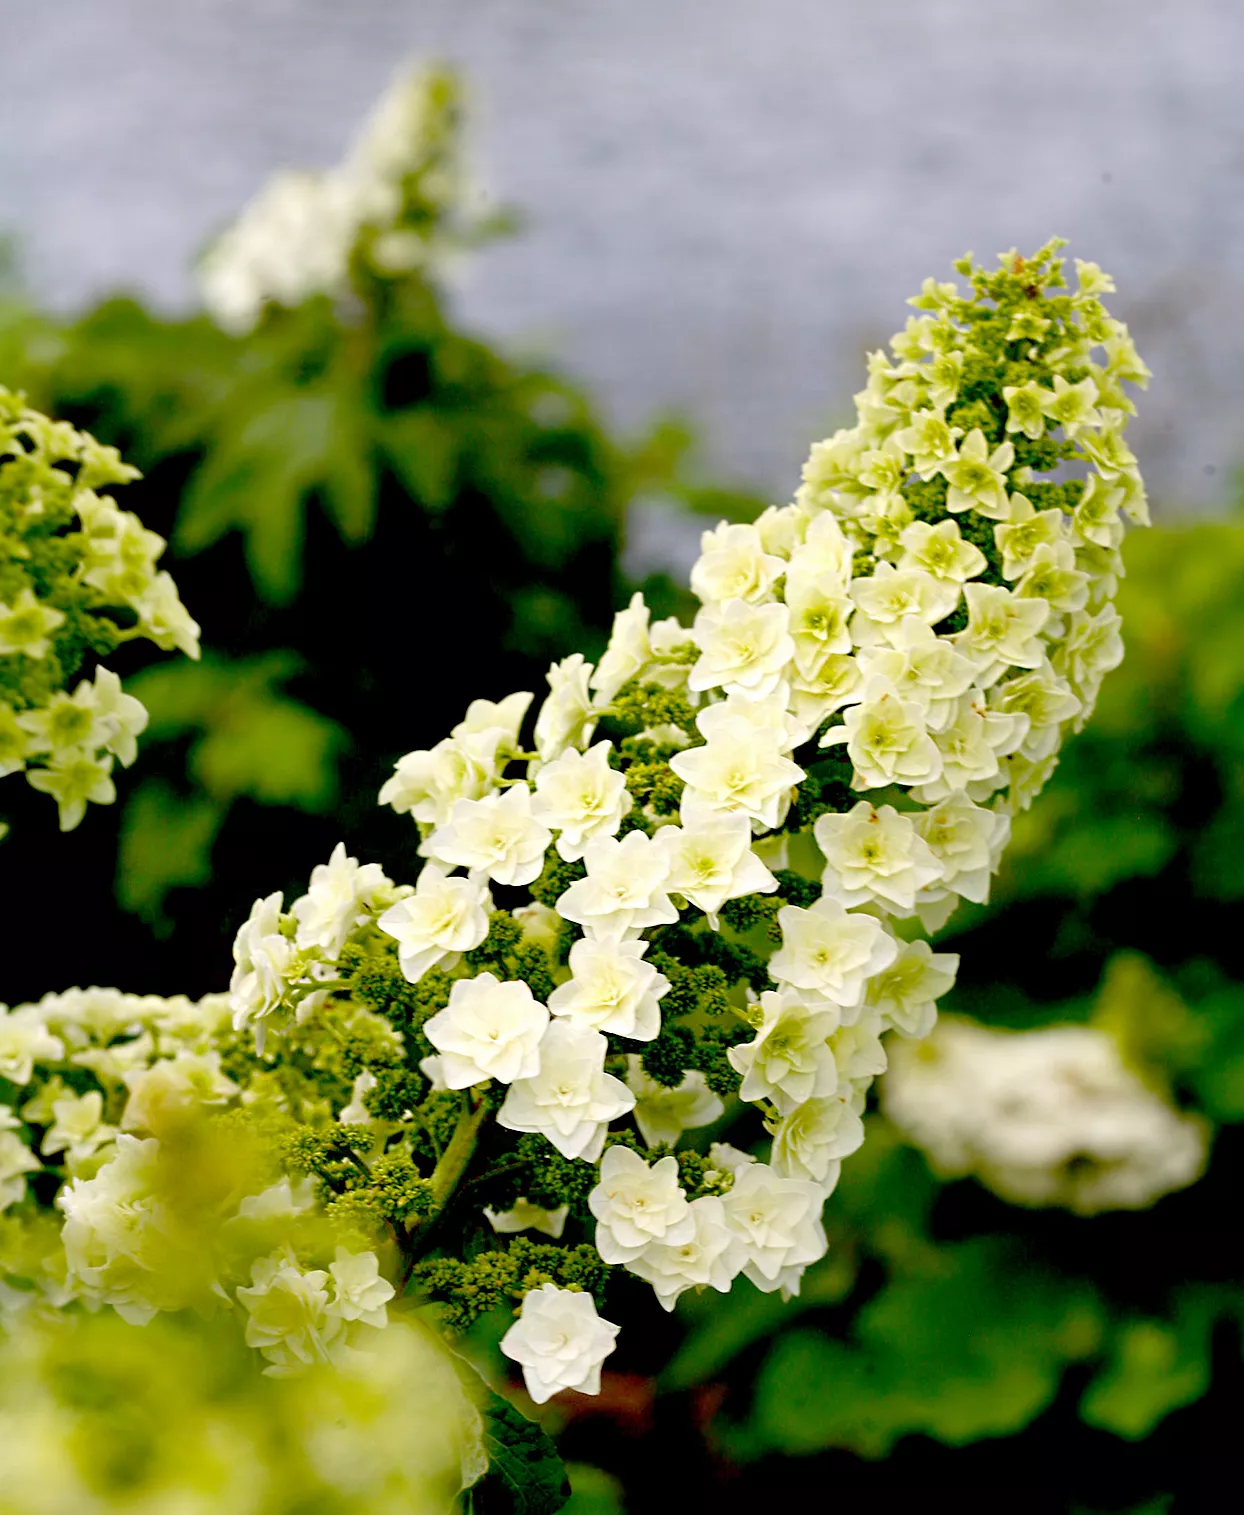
(559, 1341)
(662, 1114)
(442, 919)
(25, 1041)
(359, 1291)
(489, 1029)
(289, 1318)
(524, 1216)
(173, 1087)
(635, 1204)
(1047, 1117)
(78, 1128)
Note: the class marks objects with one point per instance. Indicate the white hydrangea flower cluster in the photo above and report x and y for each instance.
(77, 576)
(390, 204)
(1052, 1117)
(697, 894)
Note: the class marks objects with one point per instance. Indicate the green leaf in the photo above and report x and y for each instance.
(274, 750)
(256, 479)
(973, 1347)
(525, 1475)
(166, 843)
(1155, 1366)
(422, 449)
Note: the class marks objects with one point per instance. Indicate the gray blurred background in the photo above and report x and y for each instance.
(727, 201)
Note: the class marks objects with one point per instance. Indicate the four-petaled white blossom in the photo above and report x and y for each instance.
(625, 890)
(711, 1257)
(778, 1220)
(789, 1060)
(711, 861)
(828, 952)
(874, 855)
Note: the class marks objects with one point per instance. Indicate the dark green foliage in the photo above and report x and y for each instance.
(525, 1475)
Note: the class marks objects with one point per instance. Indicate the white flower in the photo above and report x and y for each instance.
(833, 686)
(662, 1114)
(165, 620)
(769, 717)
(739, 769)
(1046, 700)
(570, 1100)
(489, 1029)
(941, 551)
(1002, 631)
(262, 957)
(74, 779)
(778, 1221)
(24, 1041)
(125, 717)
(713, 1256)
(27, 625)
(611, 989)
(887, 739)
(820, 612)
(825, 548)
(888, 595)
(560, 1341)
(874, 854)
(624, 891)
(967, 842)
(566, 718)
(1091, 648)
(442, 919)
(67, 722)
(781, 530)
(172, 1087)
(857, 1050)
(360, 1292)
(340, 897)
(1046, 1117)
(971, 747)
(906, 993)
(1027, 529)
(1052, 575)
(496, 836)
(289, 1315)
(426, 785)
(627, 654)
(579, 796)
(734, 565)
(789, 1060)
(16, 1160)
(923, 667)
(635, 1204)
(541, 925)
(711, 861)
(486, 716)
(813, 1139)
(78, 1128)
(744, 648)
(524, 1216)
(828, 952)
(977, 477)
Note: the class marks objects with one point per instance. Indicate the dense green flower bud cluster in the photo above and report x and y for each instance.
(78, 578)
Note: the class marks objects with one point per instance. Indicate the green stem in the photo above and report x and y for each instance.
(446, 1177)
